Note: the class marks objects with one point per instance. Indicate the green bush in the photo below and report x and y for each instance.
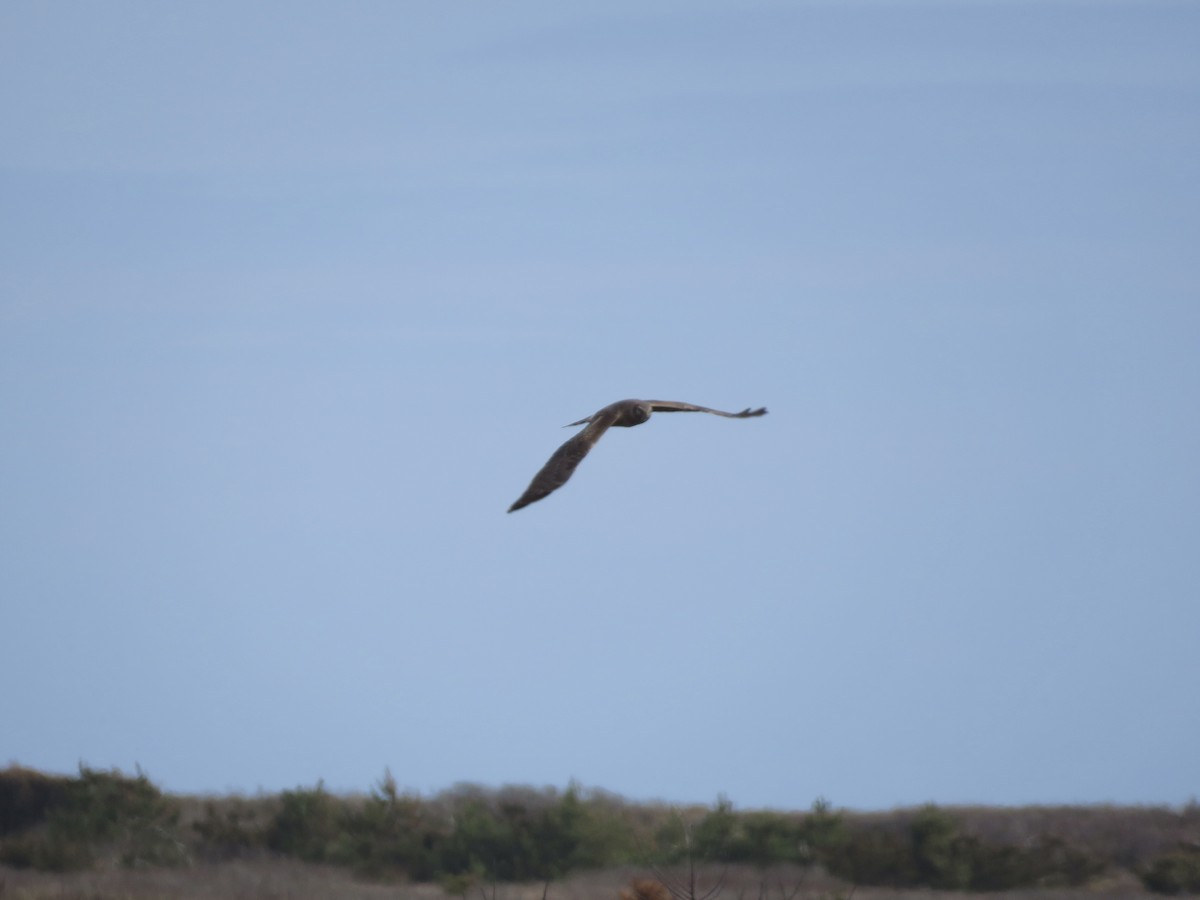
(822, 832)
(97, 816)
(128, 818)
(871, 855)
(935, 853)
(757, 838)
(530, 836)
(770, 838)
(308, 824)
(393, 834)
(501, 842)
(1174, 873)
(1052, 862)
(26, 798)
(941, 856)
(602, 831)
(231, 829)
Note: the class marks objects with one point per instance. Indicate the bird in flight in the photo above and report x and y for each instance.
(622, 414)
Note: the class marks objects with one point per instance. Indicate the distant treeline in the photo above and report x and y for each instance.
(471, 834)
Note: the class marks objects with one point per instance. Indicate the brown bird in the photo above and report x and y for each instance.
(622, 414)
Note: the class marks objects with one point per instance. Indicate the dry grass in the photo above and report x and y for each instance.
(240, 880)
(278, 879)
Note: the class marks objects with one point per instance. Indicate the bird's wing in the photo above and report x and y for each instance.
(675, 406)
(559, 468)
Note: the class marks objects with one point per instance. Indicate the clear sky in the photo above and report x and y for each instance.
(295, 298)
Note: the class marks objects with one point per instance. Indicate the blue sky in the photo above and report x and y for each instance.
(296, 297)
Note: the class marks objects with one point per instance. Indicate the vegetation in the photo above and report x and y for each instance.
(60, 824)
(1175, 873)
(469, 837)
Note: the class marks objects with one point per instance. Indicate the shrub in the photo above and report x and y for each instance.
(501, 843)
(769, 838)
(601, 831)
(872, 855)
(308, 824)
(99, 815)
(232, 829)
(941, 856)
(759, 838)
(1174, 873)
(822, 832)
(26, 798)
(936, 853)
(714, 837)
(128, 818)
(393, 834)
(1052, 862)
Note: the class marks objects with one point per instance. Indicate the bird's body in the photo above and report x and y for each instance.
(622, 414)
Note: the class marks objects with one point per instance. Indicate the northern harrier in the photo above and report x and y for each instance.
(622, 414)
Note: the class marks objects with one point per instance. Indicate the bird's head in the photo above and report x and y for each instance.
(637, 414)
(629, 413)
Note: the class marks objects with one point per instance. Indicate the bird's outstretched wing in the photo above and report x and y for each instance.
(559, 468)
(625, 413)
(676, 406)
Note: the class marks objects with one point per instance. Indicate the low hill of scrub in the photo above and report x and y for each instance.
(469, 835)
